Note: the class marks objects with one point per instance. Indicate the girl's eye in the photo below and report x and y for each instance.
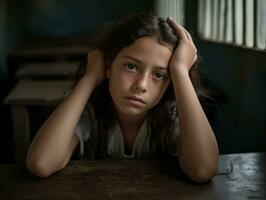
(130, 67)
(160, 76)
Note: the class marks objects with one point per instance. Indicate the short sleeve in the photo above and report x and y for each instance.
(85, 126)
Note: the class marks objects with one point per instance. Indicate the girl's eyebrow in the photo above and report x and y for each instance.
(139, 61)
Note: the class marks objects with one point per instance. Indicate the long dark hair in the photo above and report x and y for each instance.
(161, 119)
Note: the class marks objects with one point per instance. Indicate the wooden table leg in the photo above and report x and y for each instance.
(21, 132)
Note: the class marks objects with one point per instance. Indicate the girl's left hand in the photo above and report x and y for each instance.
(185, 54)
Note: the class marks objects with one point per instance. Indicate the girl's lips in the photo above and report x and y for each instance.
(137, 99)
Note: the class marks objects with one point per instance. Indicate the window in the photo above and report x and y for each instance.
(171, 8)
(239, 22)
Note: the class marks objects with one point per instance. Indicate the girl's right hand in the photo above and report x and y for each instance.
(95, 68)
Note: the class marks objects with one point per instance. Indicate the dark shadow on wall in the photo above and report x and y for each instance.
(240, 75)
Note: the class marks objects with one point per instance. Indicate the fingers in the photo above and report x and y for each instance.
(177, 28)
(180, 30)
(188, 35)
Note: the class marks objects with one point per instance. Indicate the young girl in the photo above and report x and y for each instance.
(135, 98)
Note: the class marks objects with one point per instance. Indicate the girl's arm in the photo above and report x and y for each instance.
(55, 141)
(197, 146)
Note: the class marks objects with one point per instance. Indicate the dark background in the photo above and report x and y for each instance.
(235, 76)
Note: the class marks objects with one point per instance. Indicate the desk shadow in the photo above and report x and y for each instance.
(19, 173)
(171, 168)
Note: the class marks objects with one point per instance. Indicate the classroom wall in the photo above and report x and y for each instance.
(237, 76)
(63, 18)
(10, 31)
(240, 76)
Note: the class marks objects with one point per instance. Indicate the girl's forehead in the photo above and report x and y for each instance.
(147, 49)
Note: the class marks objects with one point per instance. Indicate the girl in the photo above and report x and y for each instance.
(135, 97)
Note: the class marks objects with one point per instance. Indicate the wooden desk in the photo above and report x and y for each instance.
(29, 93)
(137, 179)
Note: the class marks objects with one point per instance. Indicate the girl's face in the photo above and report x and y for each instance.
(139, 76)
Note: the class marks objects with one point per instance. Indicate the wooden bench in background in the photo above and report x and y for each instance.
(49, 70)
(29, 93)
(41, 70)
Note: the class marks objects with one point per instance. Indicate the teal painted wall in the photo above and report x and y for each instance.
(61, 18)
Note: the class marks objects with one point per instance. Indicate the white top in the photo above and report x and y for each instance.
(115, 139)
(141, 147)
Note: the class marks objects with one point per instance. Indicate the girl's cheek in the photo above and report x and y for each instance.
(155, 90)
(123, 76)
(161, 89)
(124, 79)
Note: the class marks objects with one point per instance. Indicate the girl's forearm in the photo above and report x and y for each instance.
(197, 145)
(50, 145)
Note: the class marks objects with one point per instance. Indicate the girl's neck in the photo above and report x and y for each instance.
(130, 122)
(130, 126)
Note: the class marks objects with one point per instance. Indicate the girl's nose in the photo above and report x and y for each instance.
(141, 84)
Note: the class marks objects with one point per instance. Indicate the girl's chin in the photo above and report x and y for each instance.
(131, 112)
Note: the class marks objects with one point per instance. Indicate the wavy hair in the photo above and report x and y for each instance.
(161, 119)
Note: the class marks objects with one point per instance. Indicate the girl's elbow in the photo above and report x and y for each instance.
(200, 174)
(37, 167)
(202, 177)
